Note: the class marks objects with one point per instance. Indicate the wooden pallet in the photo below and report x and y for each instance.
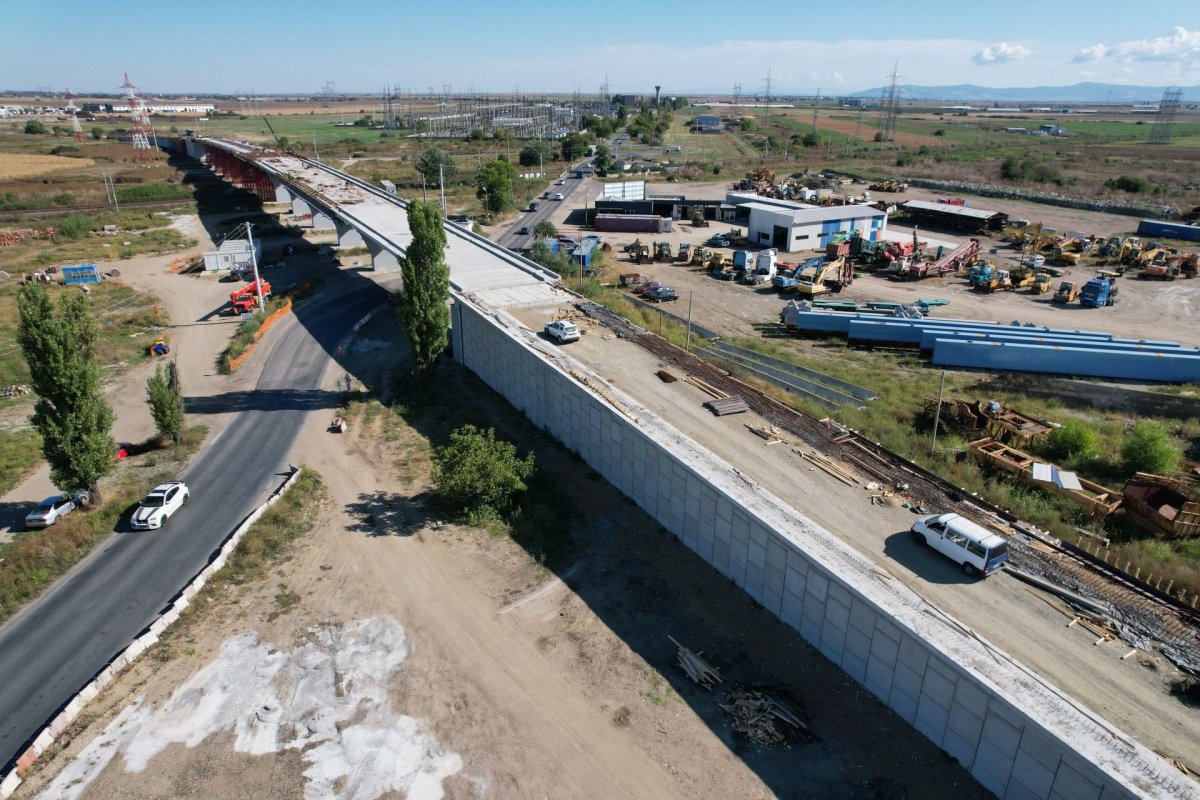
(727, 405)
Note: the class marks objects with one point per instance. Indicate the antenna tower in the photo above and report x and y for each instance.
(890, 104)
(1161, 132)
(139, 124)
(71, 110)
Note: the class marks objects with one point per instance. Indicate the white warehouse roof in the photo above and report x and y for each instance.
(948, 208)
(806, 216)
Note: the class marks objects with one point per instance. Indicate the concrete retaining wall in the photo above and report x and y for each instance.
(1018, 736)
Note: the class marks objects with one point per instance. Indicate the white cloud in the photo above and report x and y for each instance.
(1181, 45)
(1000, 53)
(1096, 51)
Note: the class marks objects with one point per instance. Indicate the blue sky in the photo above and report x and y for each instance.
(697, 45)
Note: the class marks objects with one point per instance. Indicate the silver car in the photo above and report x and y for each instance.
(52, 509)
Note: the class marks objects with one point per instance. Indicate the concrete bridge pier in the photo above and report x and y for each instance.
(282, 193)
(195, 149)
(300, 206)
(322, 221)
(382, 260)
(348, 235)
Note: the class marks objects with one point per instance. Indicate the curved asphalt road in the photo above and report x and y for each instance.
(56, 645)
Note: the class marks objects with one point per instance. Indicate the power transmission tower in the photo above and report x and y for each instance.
(737, 100)
(766, 111)
(1161, 132)
(890, 104)
(71, 110)
(858, 121)
(816, 108)
(139, 124)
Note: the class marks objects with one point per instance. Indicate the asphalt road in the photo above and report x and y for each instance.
(55, 646)
(512, 240)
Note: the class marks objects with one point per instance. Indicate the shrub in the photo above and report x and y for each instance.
(75, 227)
(1150, 448)
(1074, 441)
(33, 127)
(1128, 183)
(479, 475)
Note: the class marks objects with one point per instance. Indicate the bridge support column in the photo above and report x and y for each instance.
(348, 235)
(195, 149)
(300, 206)
(322, 221)
(282, 193)
(381, 260)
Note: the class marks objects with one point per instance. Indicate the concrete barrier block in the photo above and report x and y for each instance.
(796, 576)
(741, 528)
(889, 629)
(190, 592)
(777, 554)
(119, 663)
(931, 719)
(720, 558)
(134, 650)
(57, 727)
(723, 529)
(772, 600)
(907, 681)
(1043, 750)
(104, 677)
(691, 532)
(858, 644)
(818, 584)
(760, 535)
(708, 506)
(965, 724)
(884, 647)
(774, 578)
(839, 593)
(159, 626)
(879, 680)
(913, 654)
(904, 705)
(705, 548)
(968, 695)
(855, 666)
(810, 624)
(1032, 775)
(938, 688)
(25, 761)
(1070, 783)
(960, 749)
(1000, 733)
(9, 784)
(725, 509)
(862, 616)
(791, 610)
(42, 742)
(837, 612)
(88, 693)
(757, 555)
(992, 766)
(833, 639)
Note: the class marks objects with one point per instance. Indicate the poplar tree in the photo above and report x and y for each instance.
(71, 413)
(422, 301)
(165, 398)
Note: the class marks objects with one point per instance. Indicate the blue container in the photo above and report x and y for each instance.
(1168, 230)
(1021, 337)
(81, 273)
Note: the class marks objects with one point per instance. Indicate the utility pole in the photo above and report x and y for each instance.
(316, 155)
(937, 414)
(442, 186)
(687, 347)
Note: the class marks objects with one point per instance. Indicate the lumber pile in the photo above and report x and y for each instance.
(699, 670)
(665, 376)
(827, 466)
(727, 405)
(706, 387)
(761, 716)
(771, 435)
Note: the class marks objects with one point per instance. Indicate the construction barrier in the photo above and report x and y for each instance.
(63, 719)
(270, 320)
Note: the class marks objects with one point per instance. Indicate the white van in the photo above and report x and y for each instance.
(980, 551)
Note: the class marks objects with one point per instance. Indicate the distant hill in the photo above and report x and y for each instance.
(1078, 93)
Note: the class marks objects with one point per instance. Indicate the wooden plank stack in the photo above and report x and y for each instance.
(727, 405)
(699, 670)
(763, 718)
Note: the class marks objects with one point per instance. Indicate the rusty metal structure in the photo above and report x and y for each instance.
(1098, 500)
(140, 130)
(1170, 507)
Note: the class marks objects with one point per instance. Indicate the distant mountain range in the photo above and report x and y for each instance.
(1078, 93)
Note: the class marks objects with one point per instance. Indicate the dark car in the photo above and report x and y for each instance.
(647, 287)
(661, 295)
(524, 231)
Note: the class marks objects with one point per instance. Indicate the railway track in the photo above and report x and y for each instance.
(1144, 614)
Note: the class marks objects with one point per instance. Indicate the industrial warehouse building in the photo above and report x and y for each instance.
(950, 215)
(793, 227)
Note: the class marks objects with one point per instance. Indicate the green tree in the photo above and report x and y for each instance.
(545, 228)
(60, 130)
(811, 139)
(165, 397)
(1150, 448)
(436, 164)
(479, 475)
(574, 145)
(97, 133)
(603, 158)
(34, 127)
(285, 144)
(1074, 441)
(494, 186)
(71, 414)
(476, 135)
(535, 154)
(422, 301)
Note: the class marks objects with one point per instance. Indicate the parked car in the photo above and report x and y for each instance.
(978, 550)
(647, 287)
(557, 196)
(160, 505)
(562, 331)
(52, 509)
(523, 231)
(661, 295)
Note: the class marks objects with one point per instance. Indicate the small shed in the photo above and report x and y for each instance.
(232, 254)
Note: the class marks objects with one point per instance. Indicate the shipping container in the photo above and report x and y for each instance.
(1168, 230)
(632, 223)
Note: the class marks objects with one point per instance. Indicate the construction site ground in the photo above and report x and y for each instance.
(1130, 693)
(1146, 309)
(546, 683)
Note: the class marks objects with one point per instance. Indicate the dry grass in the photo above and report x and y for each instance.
(16, 166)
